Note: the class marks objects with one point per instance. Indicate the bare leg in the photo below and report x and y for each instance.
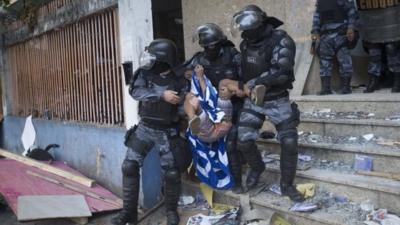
(192, 109)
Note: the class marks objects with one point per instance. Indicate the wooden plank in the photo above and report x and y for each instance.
(45, 167)
(77, 189)
(33, 207)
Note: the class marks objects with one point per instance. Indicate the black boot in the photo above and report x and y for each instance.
(254, 159)
(373, 84)
(346, 88)
(235, 165)
(396, 83)
(130, 189)
(325, 86)
(289, 157)
(172, 193)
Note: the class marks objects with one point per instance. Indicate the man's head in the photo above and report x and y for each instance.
(252, 22)
(160, 55)
(210, 36)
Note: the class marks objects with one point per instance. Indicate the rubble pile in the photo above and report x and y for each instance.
(330, 114)
(307, 137)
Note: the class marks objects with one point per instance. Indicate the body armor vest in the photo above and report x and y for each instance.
(256, 59)
(331, 12)
(160, 112)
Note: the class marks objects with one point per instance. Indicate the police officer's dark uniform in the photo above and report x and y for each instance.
(268, 59)
(380, 28)
(157, 126)
(332, 22)
(221, 60)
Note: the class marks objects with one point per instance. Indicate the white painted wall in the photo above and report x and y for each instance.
(136, 32)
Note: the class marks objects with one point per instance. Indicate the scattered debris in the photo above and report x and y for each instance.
(221, 208)
(186, 200)
(379, 215)
(341, 199)
(338, 166)
(276, 189)
(330, 114)
(31, 207)
(353, 138)
(227, 218)
(269, 158)
(16, 182)
(363, 162)
(393, 118)
(305, 158)
(304, 207)
(308, 137)
(29, 134)
(304, 165)
(367, 206)
(391, 220)
(371, 223)
(368, 137)
(307, 190)
(325, 110)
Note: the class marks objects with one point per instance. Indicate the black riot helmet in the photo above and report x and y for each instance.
(252, 17)
(208, 34)
(159, 50)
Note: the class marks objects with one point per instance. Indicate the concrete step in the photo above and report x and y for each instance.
(352, 127)
(385, 159)
(382, 104)
(268, 202)
(382, 192)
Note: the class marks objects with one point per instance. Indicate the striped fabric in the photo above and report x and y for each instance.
(210, 159)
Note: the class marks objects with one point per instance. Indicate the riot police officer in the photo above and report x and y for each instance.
(221, 60)
(333, 27)
(381, 36)
(159, 92)
(267, 59)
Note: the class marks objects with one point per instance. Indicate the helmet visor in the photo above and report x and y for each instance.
(146, 60)
(207, 34)
(245, 20)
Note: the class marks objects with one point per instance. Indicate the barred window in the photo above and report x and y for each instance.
(70, 73)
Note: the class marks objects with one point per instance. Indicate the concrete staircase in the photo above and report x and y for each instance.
(333, 146)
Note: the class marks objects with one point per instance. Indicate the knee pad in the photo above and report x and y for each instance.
(289, 144)
(173, 175)
(292, 122)
(130, 168)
